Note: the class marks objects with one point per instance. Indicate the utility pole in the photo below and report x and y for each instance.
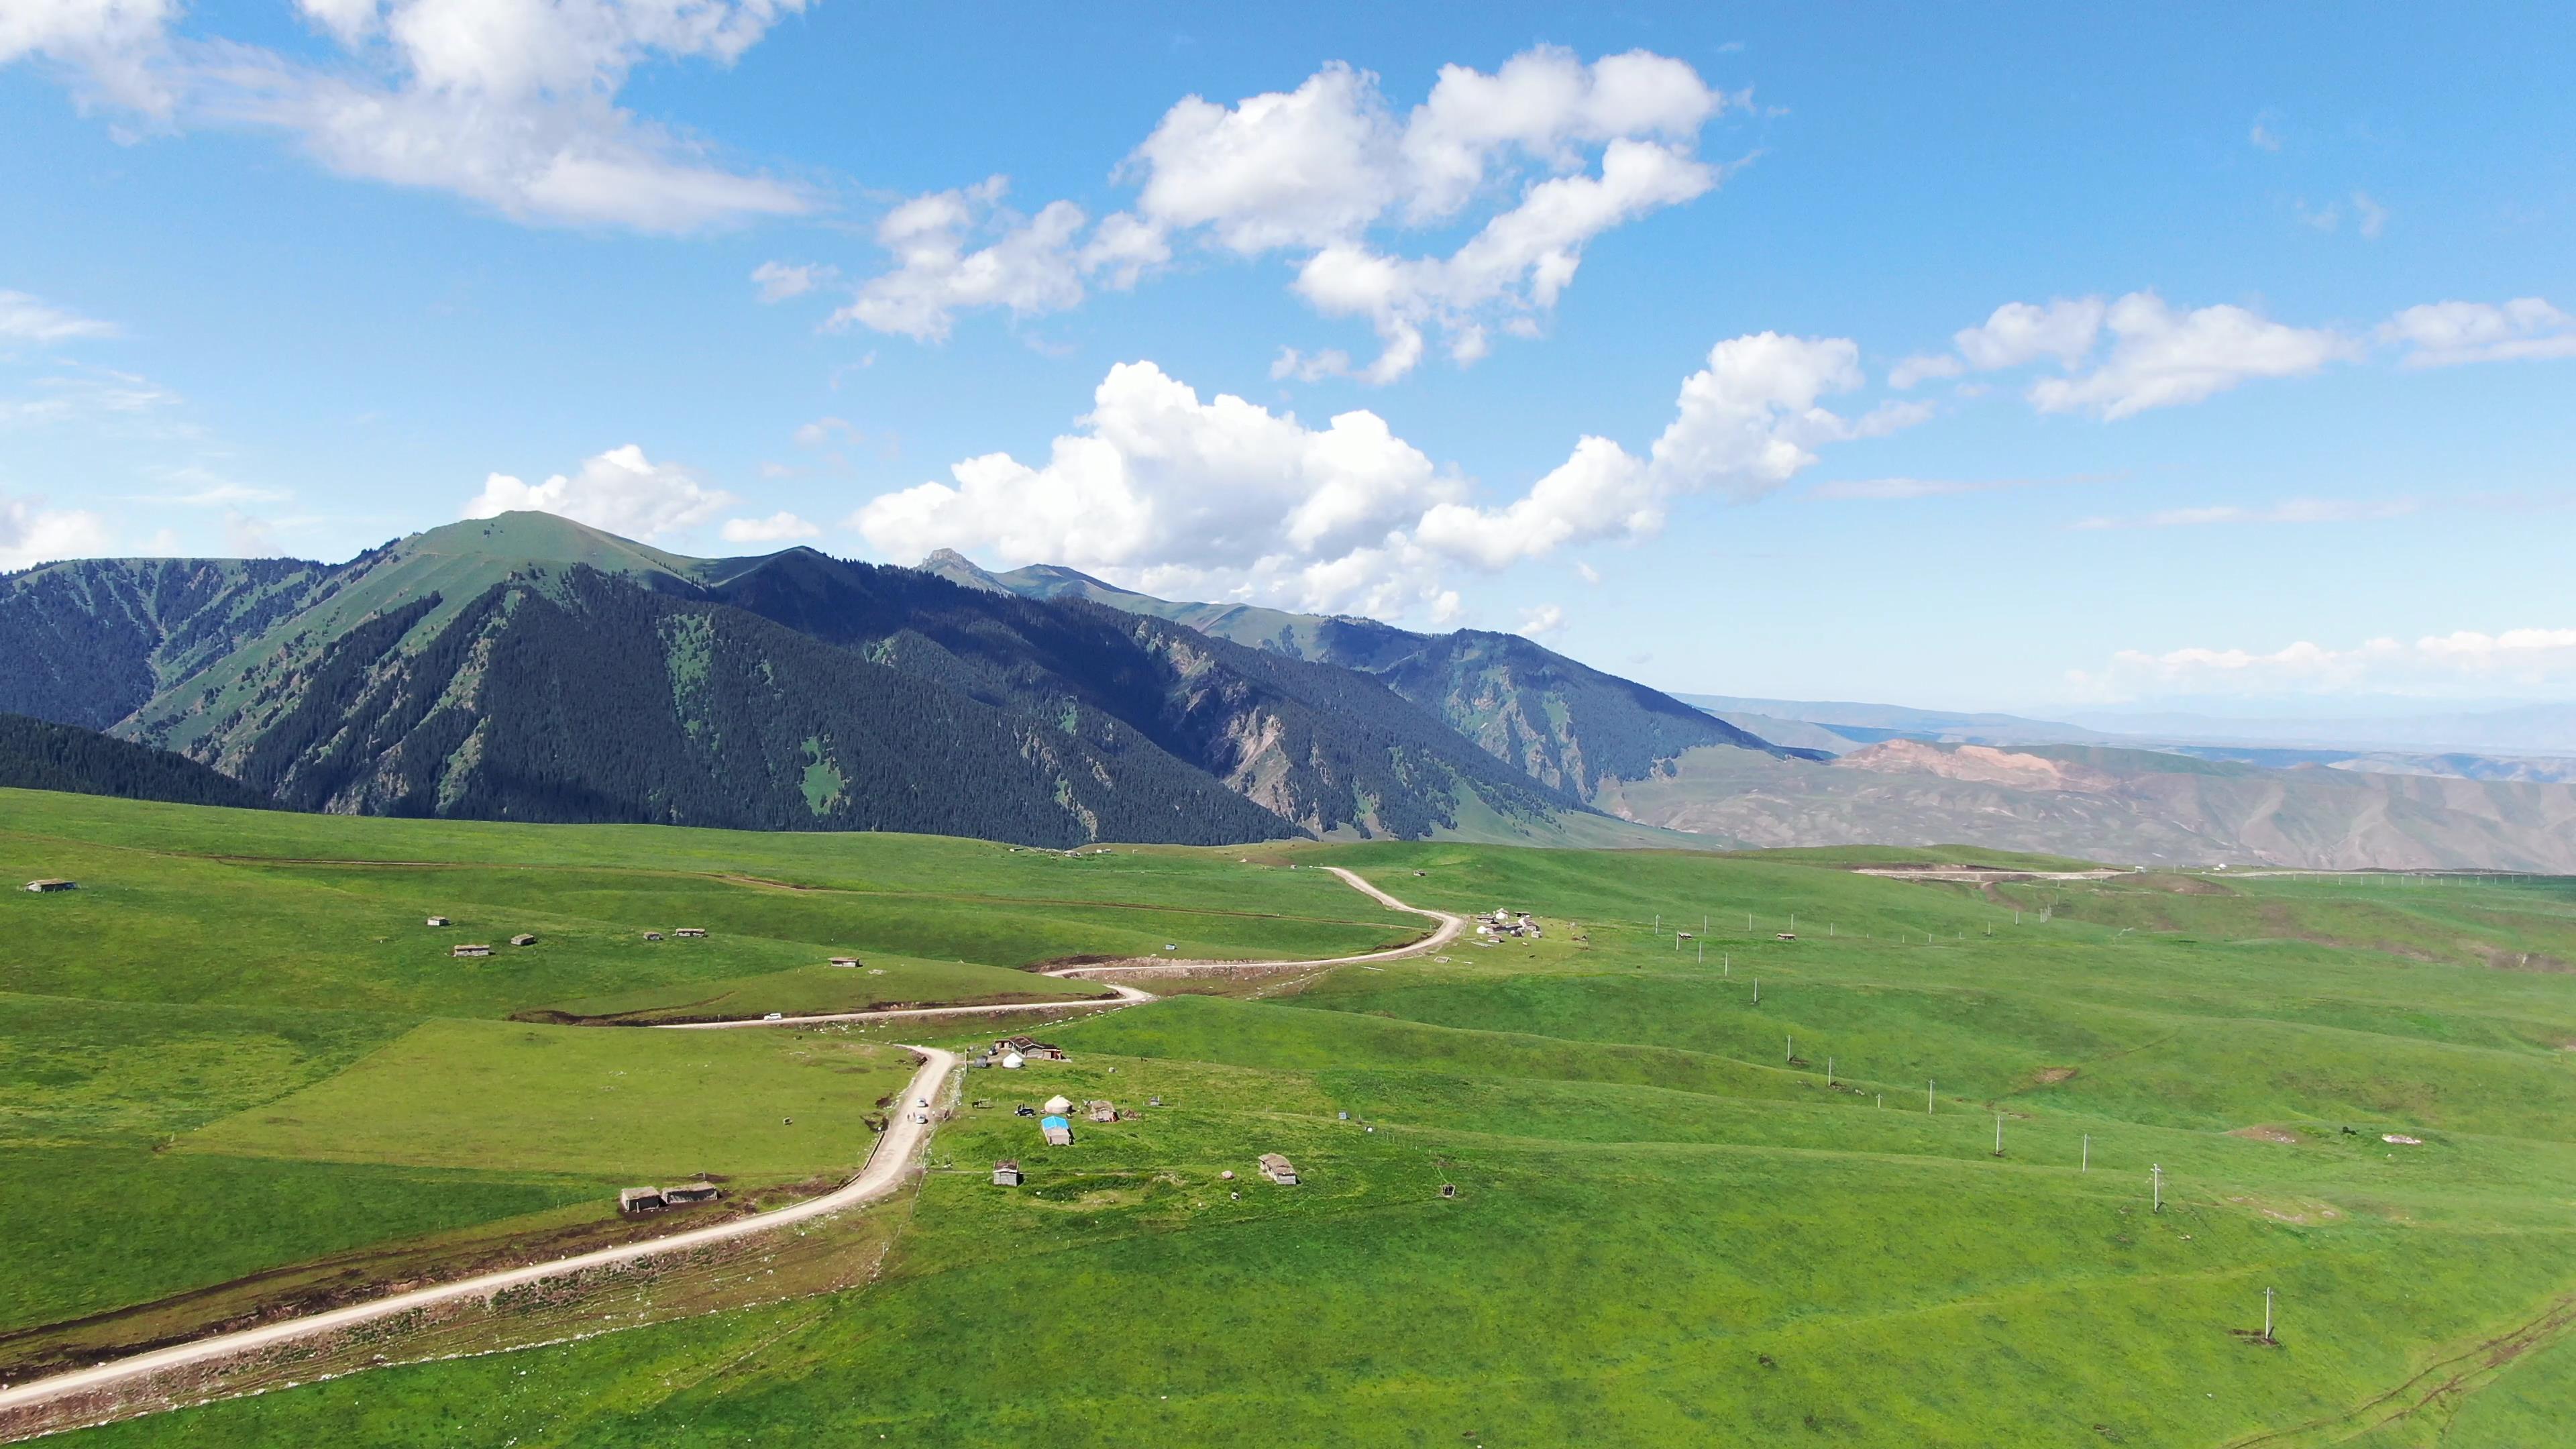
(1703, 952)
(1927, 1099)
(1757, 991)
(2267, 1315)
(1829, 1071)
(1999, 1134)
(2086, 1164)
(1725, 965)
(1791, 1053)
(2157, 1175)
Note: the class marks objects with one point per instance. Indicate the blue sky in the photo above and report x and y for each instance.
(2234, 345)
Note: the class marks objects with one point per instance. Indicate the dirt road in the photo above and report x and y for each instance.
(1446, 932)
(887, 1166)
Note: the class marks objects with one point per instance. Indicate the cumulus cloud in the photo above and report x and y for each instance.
(2156, 356)
(1315, 173)
(620, 490)
(29, 319)
(512, 103)
(2432, 664)
(1744, 425)
(2446, 334)
(779, 281)
(31, 533)
(2160, 357)
(1544, 620)
(1030, 266)
(1165, 492)
(778, 527)
(1160, 485)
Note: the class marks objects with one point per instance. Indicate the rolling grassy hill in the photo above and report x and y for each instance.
(1671, 1212)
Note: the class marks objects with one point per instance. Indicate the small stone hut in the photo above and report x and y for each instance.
(640, 1200)
(471, 950)
(50, 884)
(1278, 1169)
(523, 939)
(689, 1192)
(689, 933)
(1006, 1173)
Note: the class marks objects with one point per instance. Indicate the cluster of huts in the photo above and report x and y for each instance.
(1014, 1052)
(680, 933)
(1507, 923)
(654, 1199)
(465, 949)
(1055, 1125)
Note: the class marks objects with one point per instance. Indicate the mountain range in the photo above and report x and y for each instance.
(531, 668)
(527, 667)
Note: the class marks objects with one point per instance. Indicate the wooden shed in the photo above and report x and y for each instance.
(1278, 1169)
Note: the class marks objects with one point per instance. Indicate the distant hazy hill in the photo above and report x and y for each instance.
(1560, 722)
(2113, 804)
(39, 754)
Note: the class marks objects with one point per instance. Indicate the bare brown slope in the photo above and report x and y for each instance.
(2122, 805)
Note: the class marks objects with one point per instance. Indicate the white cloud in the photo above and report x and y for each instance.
(2019, 332)
(1908, 488)
(2370, 218)
(2160, 357)
(1587, 572)
(2296, 510)
(112, 47)
(512, 103)
(2262, 138)
(1909, 371)
(2445, 334)
(823, 430)
(31, 533)
(1744, 426)
(620, 490)
(2431, 665)
(1164, 492)
(1159, 480)
(778, 281)
(778, 527)
(1544, 620)
(1314, 172)
(29, 319)
(1030, 267)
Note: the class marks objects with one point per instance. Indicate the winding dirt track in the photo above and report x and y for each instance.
(888, 1164)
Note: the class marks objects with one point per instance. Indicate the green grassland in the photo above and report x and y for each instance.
(1668, 1223)
(237, 1053)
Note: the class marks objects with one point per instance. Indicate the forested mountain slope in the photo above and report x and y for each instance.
(1557, 720)
(39, 754)
(90, 641)
(583, 698)
(527, 667)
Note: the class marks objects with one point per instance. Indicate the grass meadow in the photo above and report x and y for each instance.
(1581, 1190)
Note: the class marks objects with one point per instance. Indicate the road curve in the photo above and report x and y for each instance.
(887, 1164)
(1127, 996)
(886, 1167)
(1446, 932)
